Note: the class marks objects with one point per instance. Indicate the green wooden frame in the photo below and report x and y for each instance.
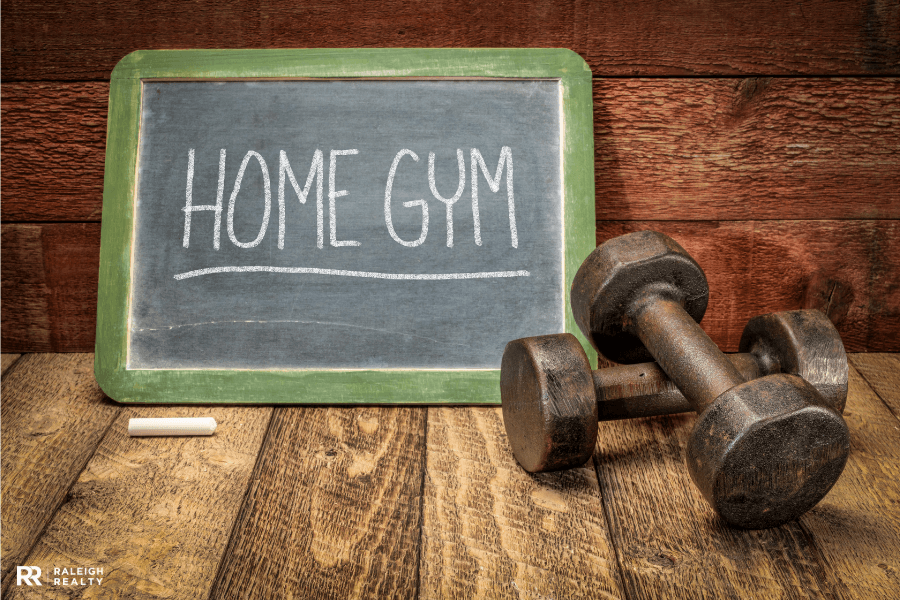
(476, 386)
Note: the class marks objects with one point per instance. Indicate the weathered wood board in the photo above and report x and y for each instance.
(54, 141)
(491, 530)
(622, 38)
(7, 361)
(880, 372)
(49, 286)
(747, 149)
(154, 513)
(53, 417)
(856, 527)
(333, 509)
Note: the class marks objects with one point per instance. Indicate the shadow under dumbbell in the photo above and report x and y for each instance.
(670, 431)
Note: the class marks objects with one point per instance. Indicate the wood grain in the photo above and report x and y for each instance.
(491, 530)
(882, 373)
(53, 416)
(6, 361)
(669, 542)
(857, 526)
(49, 286)
(54, 143)
(24, 311)
(666, 149)
(154, 513)
(57, 40)
(747, 149)
(333, 509)
(841, 267)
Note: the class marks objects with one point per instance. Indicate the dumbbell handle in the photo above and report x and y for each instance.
(683, 350)
(644, 390)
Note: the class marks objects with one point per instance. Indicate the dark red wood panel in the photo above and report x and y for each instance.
(666, 149)
(755, 148)
(23, 310)
(49, 286)
(845, 268)
(54, 143)
(72, 40)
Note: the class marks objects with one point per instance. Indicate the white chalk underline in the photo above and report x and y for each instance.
(343, 273)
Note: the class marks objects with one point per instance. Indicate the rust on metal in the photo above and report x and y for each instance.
(642, 294)
(540, 419)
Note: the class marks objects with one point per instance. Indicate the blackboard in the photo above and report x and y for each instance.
(338, 226)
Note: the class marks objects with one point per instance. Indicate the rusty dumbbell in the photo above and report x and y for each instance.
(762, 452)
(546, 436)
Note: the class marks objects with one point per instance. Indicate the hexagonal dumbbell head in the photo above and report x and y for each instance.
(803, 343)
(612, 276)
(764, 453)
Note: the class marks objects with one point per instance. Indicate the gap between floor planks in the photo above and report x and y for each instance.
(480, 527)
(881, 373)
(6, 361)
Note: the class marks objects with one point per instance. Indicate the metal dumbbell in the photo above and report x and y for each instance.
(545, 437)
(798, 342)
(762, 452)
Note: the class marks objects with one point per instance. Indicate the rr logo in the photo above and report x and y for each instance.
(28, 574)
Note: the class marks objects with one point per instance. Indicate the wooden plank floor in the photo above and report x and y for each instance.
(382, 502)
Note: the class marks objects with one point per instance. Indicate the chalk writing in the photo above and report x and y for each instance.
(363, 274)
(316, 174)
(333, 195)
(387, 203)
(267, 200)
(448, 201)
(316, 171)
(494, 184)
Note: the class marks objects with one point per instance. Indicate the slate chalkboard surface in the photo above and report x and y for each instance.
(345, 275)
(365, 237)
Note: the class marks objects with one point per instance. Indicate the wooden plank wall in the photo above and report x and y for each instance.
(765, 137)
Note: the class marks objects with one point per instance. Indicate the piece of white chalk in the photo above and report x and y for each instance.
(172, 426)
